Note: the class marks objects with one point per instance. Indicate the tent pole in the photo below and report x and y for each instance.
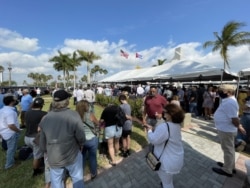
(238, 84)
(247, 81)
(221, 78)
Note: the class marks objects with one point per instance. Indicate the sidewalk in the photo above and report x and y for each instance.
(202, 151)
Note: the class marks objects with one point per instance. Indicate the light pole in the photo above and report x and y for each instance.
(9, 68)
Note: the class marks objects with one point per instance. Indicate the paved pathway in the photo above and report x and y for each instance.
(202, 150)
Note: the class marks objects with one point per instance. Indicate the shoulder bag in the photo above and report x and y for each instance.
(152, 161)
(91, 128)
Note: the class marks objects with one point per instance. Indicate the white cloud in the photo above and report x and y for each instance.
(14, 41)
(24, 63)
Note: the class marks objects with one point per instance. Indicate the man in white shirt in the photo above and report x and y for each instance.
(139, 91)
(38, 92)
(99, 90)
(79, 94)
(108, 91)
(227, 124)
(9, 128)
(89, 95)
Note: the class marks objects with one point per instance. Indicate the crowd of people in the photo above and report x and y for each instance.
(63, 139)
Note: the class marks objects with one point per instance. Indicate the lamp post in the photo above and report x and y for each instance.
(9, 68)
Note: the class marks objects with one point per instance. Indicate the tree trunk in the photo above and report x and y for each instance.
(88, 73)
(74, 78)
(64, 80)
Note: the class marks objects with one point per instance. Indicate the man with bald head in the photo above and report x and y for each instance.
(26, 102)
(227, 124)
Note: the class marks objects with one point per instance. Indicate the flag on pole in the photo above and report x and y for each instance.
(124, 54)
(138, 55)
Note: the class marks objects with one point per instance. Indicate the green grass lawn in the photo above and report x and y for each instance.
(21, 175)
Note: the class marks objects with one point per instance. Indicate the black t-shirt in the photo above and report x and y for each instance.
(32, 119)
(193, 97)
(108, 115)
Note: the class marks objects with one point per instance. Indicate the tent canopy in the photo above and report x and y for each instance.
(245, 72)
(176, 71)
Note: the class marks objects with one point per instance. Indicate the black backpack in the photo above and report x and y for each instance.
(120, 117)
(25, 152)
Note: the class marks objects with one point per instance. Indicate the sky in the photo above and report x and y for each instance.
(32, 32)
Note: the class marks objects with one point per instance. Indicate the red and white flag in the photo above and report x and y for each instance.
(124, 54)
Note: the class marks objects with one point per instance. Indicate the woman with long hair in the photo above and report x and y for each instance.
(91, 145)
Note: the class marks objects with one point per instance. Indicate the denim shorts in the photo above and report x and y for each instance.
(112, 131)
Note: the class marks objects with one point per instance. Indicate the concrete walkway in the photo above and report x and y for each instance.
(202, 151)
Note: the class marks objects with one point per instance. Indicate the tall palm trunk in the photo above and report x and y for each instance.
(64, 79)
(88, 73)
(74, 77)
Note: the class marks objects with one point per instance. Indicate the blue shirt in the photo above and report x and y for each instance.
(26, 101)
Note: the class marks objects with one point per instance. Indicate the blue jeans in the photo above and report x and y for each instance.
(193, 108)
(90, 149)
(75, 171)
(12, 147)
(245, 121)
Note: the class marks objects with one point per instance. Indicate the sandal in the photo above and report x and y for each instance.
(112, 164)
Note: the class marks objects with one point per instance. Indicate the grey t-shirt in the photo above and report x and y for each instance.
(127, 110)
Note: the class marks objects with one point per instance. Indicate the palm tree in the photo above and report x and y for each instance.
(160, 62)
(31, 75)
(89, 57)
(230, 36)
(62, 63)
(84, 78)
(97, 69)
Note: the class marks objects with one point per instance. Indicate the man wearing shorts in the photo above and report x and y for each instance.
(127, 127)
(32, 119)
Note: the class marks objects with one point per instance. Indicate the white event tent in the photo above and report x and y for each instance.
(184, 71)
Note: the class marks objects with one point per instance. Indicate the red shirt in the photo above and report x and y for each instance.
(154, 104)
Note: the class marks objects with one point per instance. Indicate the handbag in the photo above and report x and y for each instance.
(153, 162)
(91, 128)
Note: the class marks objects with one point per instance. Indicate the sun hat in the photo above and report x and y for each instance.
(61, 95)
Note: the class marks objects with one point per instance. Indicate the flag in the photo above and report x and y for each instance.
(138, 55)
(124, 54)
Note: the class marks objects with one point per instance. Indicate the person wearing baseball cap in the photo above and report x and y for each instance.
(61, 136)
(9, 128)
(227, 124)
(32, 119)
(61, 95)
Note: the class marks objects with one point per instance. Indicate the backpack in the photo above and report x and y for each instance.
(25, 152)
(120, 117)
